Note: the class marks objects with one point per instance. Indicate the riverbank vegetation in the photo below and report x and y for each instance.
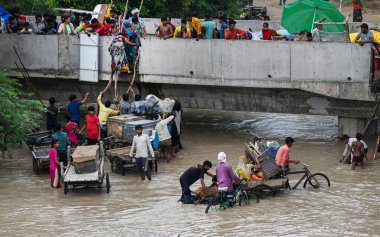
(19, 113)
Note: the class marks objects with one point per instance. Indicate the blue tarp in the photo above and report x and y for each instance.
(4, 14)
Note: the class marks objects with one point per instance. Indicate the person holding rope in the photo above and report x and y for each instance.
(104, 113)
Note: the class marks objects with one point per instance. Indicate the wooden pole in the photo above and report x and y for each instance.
(372, 118)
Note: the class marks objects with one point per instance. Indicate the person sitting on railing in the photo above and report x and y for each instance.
(225, 175)
(282, 156)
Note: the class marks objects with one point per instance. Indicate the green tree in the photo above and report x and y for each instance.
(29, 7)
(19, 114)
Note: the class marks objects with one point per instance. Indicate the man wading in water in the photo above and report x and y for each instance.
(357, 152)
(141, 143)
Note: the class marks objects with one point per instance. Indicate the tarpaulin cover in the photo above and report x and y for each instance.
(302, 14)
(4, 14)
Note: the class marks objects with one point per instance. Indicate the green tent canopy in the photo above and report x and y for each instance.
(301, 14)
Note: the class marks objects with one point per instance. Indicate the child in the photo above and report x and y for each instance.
(71, 130)
(54, 165)
(92, 124)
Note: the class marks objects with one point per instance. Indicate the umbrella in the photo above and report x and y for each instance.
(302, 14)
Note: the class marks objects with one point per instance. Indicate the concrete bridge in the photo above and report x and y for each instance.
(281, 77)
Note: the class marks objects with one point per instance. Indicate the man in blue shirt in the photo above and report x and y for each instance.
(125, 107)
(223, 26)
(73, 108)
(209, 26)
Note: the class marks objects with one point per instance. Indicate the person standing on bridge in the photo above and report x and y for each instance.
(195, 26)
(209, 26)
(357, 6)
(136, 13)
(233, 33)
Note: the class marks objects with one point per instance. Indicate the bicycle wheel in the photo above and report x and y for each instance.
(318, 180)
(215, 201)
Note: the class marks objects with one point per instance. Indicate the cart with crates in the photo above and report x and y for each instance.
(122, 162)
(87, 169)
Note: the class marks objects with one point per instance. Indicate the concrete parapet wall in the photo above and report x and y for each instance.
(330, 69)
(50, 55)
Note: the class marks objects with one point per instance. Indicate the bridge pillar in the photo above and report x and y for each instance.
(351, 126)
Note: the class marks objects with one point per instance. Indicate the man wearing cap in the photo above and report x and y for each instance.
(233, 33)
(225, 175)
(282, 156)
(141, 143)
(135, 13)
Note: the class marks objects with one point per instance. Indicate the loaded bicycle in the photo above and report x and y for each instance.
(223, 200)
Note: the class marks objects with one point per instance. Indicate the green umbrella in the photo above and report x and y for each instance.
(301, 15)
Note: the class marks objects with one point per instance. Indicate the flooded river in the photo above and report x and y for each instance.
(351, 207)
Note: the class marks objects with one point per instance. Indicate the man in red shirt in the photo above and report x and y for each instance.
(92, 124)
(268, 34)
(357, 6)
(233, 33)
(97, 27)
(282, 156)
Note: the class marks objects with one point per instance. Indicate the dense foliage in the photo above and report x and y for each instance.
(18, 113)
(151, 8)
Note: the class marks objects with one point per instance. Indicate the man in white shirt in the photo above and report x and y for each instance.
(347, 154)
(141, 143)
(164, 135)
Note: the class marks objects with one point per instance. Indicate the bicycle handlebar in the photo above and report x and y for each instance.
(305, 165)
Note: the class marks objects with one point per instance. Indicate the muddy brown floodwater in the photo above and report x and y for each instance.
(350, 207)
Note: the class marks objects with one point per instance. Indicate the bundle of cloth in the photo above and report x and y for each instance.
(152, 105)
(117, 51)
(248, 172)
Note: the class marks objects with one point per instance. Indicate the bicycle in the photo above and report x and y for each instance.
(317, 180)
(224, 201)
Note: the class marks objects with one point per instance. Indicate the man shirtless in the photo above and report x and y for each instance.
(358, 153)
(164, 31)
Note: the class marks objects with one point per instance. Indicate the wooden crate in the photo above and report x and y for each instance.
(115, 124)
(86, 153)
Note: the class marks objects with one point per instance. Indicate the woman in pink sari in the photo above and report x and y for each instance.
(54, 165)
(71, 130)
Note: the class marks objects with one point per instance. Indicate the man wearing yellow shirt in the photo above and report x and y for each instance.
(195, 26)
(104, 112)
(182, 31)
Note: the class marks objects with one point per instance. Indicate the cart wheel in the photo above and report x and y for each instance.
(108, 185)
(65, 187)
